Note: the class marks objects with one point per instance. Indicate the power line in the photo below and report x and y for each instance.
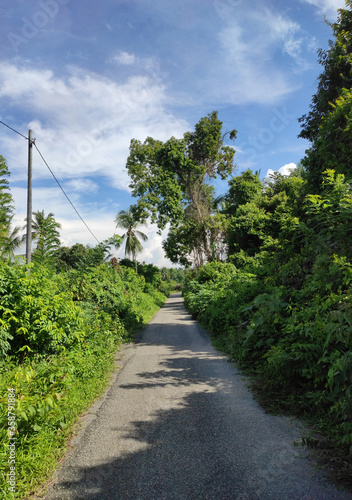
(52, 173)
(62, 189)
(19, 133)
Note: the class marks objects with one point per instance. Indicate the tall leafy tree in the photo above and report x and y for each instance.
(45, 231)
(125, 219)
(172, 183)
(327, 125)
(9, 240)
(336, 74)
(243, 189)
(263, 217)
(332, 147)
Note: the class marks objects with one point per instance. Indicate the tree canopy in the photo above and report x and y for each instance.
(171, 181)
(336, 74)
(328, 124)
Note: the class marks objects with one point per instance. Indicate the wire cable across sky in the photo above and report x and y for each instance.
(19, 133)
(62, 189)
(54, 176)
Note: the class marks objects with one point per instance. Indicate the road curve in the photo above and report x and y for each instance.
(179, 423)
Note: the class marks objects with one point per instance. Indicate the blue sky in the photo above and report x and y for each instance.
(87, 77)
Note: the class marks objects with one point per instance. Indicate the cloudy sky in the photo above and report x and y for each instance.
(87, 77)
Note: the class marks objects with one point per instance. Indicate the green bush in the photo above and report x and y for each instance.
(289, 323)
(35, 316)
(59, 334)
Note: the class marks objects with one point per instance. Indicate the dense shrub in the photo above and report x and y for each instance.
(285, 312)
(35, 316)
(59, 334)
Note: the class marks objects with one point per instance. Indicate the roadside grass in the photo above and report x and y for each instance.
(51, 394)
(43, 431)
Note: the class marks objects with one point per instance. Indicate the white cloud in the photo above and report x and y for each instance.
(290, 36)
(285, 170)
(52, 199)
(82, 185)
(327, 7)
(280, 26)
(248, 64)
(149, 66)
(123, 57)
(83, 122)
(250, 44)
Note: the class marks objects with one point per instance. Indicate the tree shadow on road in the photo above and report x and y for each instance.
(185, 453)
(213, 441)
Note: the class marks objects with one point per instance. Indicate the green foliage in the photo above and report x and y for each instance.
(269, 219)
(6, 201)
(336, 74)
(332, 146)
(282, 308)
(151, 273)
(128, 221)
(45, 231)
(243, 189)
(180, 241)
(76, 257)
(9, 240)
(172, 280)
(34, 316)
(58, 336)
(329, 215)
(173, 274)
(216, 294)
(84, 257)
(248, 229)
(170, 181)
(328, 123)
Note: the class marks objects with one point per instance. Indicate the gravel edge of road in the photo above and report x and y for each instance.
(122, 357)
(89, 415)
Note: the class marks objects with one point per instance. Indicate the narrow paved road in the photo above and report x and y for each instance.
(179, 423)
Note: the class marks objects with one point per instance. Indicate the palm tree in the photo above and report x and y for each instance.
(10, 241)
(126, 220)
(45, 229)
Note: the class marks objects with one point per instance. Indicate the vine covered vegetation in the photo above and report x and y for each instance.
(282, 306)
(59, 334)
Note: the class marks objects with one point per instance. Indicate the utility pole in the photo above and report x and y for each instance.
(29, 200)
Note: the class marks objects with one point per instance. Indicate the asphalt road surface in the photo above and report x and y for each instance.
(179, 423)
